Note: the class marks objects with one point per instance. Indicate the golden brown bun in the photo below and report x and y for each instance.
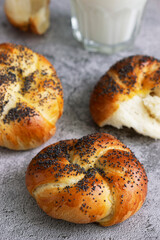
(92, 179)
(31, 98)
(28, 15)
(128, 93)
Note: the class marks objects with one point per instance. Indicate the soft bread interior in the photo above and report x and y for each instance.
(152, 104)
(18, 10)
(40, 19)
(29, 12)
(140, 113)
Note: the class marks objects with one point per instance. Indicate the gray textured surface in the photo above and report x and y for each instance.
(79, 71)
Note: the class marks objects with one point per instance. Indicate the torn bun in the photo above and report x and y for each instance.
(28, 15)
(129, 95)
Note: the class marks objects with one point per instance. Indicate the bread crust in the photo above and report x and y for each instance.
(31, 98)
(135, 75)
(92, 179)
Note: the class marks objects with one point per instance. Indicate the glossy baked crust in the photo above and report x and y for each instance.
(135, 75)
(31, 98)
(92, 179)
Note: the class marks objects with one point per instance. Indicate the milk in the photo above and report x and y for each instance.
(106, 22)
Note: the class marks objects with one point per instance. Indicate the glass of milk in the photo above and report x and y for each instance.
(106, 25)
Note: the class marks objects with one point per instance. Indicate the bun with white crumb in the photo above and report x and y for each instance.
(92, 179)
(28, 15)
(129, 95)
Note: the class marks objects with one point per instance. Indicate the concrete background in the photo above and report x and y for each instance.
(79, 71)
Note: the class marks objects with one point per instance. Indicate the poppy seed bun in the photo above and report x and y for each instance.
(31, 98)
(92, 179)
(129, 95)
